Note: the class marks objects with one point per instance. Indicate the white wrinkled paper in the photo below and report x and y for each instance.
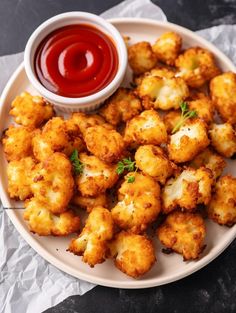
(29, 284)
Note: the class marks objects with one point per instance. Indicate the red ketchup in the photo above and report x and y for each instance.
(76, 61)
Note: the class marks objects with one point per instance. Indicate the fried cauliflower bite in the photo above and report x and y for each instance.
(141, 57)
(151, 160)
(92, 242)
(138, 203)
(223, 139)
(56, 136)
(167, 47)
(156, 71)
(204, 108)
(107, 145)
(210, 160)
(162, 93)
(183, 233)
(121, 106)
(188, 141)
(31, 110)
(133, 254)
(17, 142)
(222, 208)
(97, 176)
(44, 223)
(187, 190)
(223, 90)
(88, 203)
(171, 119)
(84, 121)
(196, 66)
(53, 183)
(19, 174)
(146, 128)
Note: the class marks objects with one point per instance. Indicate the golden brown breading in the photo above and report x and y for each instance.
(156, 71)
(204, 108)
(171, 119)
(88, 203)
(211, 160)
(152, 161)
(188, 189)
(31, 110)
(141, 57)
(17, 142)
(19, 174)
(138, 203)
(121, 106)
(146, 128)
(107, 145)
(92, 242)
(188, 141)
(222, 208)
(84, 121)
(223, 90)
(196, 66)
(162, 93)
(167, 47)
(184, 233)
(97, 176)
(53, 183)
(57, 136)
(133, 254)
(44, 223)
(223, 139)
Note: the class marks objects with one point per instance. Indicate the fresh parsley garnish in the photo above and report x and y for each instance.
(185, 115)
(78, 166)
(127, 165)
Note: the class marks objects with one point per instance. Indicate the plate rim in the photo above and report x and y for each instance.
(77, 273)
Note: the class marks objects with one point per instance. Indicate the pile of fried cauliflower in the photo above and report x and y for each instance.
(153, 155)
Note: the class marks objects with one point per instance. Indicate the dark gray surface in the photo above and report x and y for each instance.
(212, 289)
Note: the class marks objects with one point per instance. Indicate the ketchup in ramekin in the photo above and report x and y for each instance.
(76, 61)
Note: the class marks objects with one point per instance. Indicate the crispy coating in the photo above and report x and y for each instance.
(141, 57)
(223, 90)
(167, 47)
(53, 183)
(84, 121)
(107, 145)
(162, 93)
(133, 254)
(57, 136)
(31, 110)
(188, 141)
(156, 71)
(146, 128)
(171, 119)
(92, 242)
(88, 203)
(187, 190)
(222, 208)
(19, 174)
(97, 176)
(138, 203)
(196, 66)
(44, 223)
(121, 106)
(152, 161)
(211, 160)
(223, 139)
(17, 142)
(204, 108)
(184, 233)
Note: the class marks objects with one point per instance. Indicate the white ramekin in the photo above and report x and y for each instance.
(92, 101)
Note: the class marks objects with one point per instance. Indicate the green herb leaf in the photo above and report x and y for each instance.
(78, 166)
(125, 164)
(185, 115)
(131, 179)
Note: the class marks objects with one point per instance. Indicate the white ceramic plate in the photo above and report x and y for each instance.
(168, 268)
